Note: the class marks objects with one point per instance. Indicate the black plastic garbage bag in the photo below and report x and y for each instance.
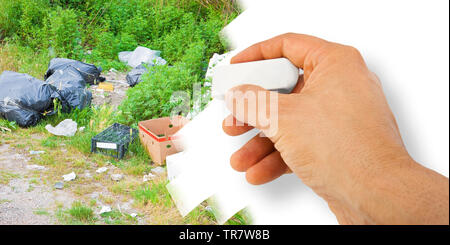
(24, 99)
(71, 87)
(89, 72)
(134, 76)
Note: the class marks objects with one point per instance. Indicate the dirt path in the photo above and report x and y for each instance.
(114, 98)
(24, 200)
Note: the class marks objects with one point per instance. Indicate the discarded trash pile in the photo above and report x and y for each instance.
(138, 59)
(25, 99)
(70, 78)
(135, 76)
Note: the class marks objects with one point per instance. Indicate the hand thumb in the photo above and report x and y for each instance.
(255, 106)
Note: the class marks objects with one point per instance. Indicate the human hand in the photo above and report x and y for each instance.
(335, 130)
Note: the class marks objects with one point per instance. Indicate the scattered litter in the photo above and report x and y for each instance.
(35, 167)
(106, 86)
(135, 75)
(24, 99)
(4, 129)
(142, 55)
(101, 170)
(87, 175)
(158, 170)
(124, 56)
(36, 152)
(134, 215)
(148, 177)
(81, 129)
(69, 177)
(59, 185)
(116, 177)
(208, 208)
(65, 128)
(105, 209)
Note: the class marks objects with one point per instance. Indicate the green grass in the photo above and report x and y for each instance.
(4, 201)
(7, 126)
(115, 217)
(155, 193)
(6, 177)
(41, 212)
(78, 214)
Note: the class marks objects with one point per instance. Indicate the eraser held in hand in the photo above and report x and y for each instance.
(275, 75)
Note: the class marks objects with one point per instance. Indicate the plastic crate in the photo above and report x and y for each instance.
(114, 141)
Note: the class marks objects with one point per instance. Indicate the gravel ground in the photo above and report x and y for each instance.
(25, 201)
(22, 203)
(114, 98)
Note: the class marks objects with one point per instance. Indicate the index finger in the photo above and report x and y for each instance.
(302, 50)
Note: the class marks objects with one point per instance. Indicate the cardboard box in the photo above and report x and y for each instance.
(157, 137)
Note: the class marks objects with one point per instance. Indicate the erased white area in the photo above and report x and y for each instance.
(404, 42)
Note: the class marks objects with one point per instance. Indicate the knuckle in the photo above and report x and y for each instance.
(352, 51)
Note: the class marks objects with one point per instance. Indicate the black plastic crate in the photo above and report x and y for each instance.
(114, 141)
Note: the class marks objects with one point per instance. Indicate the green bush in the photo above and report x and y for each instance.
(151, 97)
(95, 31)
(64, 33)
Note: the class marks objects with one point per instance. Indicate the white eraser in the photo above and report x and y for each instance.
(276, 75)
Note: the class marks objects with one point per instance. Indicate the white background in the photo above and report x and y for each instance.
(405, 42)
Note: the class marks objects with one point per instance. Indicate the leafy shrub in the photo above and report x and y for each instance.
(10, 14)
(95, 31)
(64, 34)
(151, 97)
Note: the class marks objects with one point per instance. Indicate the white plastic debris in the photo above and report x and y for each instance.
(133, 215)
(87, 175)
(69, 177)
(116, 177)
(148, 177)
(142, 55)
(158, 61)
(158, 170)
(101, 170)
(59, 185)
(105, 209)
(35, 167)
(65, 128)
(81, 129)
(124, 56)
(36, 152)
